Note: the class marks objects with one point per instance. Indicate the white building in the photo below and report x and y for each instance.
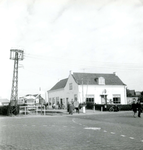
(89, 87)
(4, 102)
(31, 99)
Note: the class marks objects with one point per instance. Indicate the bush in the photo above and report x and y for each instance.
(125, 107)
(4, 110)
(89, 105)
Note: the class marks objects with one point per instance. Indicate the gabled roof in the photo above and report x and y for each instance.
(33, 96)
(92, 78)
(61, 84)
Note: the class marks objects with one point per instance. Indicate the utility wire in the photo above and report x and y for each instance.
(86, 63)
(41, 57)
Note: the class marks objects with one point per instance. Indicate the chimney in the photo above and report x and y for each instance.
(115, 73)
(70, 71)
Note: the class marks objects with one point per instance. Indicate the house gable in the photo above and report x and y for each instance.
(83, 86)
(71, 83)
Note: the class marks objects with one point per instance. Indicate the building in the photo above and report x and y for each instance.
(89, 87)
(131, 95)
(4, 102)
(31, 99)
(138, 93)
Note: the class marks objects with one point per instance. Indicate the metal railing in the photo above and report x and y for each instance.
(31, 109)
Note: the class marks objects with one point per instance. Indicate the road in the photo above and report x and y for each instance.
(100, 131)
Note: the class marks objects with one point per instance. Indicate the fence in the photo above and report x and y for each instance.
(32, 110)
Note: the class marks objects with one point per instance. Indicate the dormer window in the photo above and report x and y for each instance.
(101, 81)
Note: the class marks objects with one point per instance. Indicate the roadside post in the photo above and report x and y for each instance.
(83, 108)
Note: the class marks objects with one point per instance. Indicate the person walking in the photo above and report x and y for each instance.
(76, 106)
(139, 107)
(134, 108)
(53, 106)
(71, 108)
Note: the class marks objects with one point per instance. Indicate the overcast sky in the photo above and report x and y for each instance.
(79, 35)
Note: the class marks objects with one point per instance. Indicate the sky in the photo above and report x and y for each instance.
(59, 36)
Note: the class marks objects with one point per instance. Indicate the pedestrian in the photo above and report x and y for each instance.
(68, 107)
(71, 108)
(139, 107)
(59, 106)
(134, 108)
(53, 106)
(76, 106)
(46, 105)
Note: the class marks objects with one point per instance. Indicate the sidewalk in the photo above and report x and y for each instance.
(57, 112)
(63, 112)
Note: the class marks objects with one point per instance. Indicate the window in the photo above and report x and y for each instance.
(116, 98)
(89, 98)
(70, 86)
(101, 80)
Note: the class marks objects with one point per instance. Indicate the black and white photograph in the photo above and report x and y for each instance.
(71, 74)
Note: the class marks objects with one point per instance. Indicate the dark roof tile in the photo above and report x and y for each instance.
(92, 78)
(61, 84)
(89, 78)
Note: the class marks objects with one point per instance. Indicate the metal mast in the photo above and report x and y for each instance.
(15, 55)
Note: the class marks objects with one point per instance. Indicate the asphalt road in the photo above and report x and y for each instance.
(99, 131)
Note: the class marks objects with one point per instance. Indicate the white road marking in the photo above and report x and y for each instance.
(123, 135)
(93, 128)
(97, 128)
(132, 138)
(112, 132)
(76, 122)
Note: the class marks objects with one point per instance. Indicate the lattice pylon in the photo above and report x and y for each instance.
(14, 90)
(16, 55)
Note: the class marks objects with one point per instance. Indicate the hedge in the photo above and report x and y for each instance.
(122, 107)
(4, 110)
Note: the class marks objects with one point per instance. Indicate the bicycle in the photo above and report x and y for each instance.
(114, 108)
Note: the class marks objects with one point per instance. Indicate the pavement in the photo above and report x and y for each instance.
(55, 112)
(59, 112)
(84, 131)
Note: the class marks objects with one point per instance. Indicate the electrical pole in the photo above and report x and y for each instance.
(82, 92)
(15, 55)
